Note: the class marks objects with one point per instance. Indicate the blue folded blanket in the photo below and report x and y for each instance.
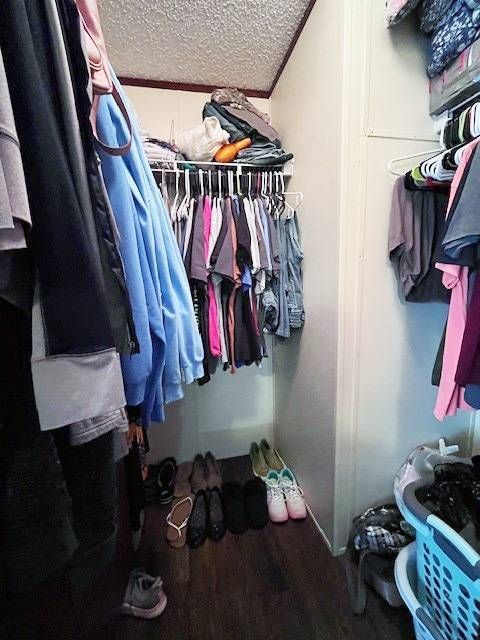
(454, 30)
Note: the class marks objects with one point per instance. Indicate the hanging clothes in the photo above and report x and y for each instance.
(417, 217)
(242, 255)
(450, 394)
(171, 353)
(73, 341)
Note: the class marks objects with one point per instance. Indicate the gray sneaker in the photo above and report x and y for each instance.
(144, 596)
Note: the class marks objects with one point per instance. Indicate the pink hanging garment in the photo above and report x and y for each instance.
(213, 333)
(450, 395)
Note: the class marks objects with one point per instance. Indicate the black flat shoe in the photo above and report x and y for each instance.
(256, 503)
(234, 507)
(216, 521)
(167, 470)
(197, 523)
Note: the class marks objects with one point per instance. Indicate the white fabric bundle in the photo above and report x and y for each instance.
(202, 142)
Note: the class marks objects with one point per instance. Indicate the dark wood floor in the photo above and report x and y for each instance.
(280, 583)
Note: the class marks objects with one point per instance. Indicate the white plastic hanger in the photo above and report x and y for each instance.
(290, 209)
(186, 199)
(447, 450)
(263, 188)
(299, 198)
(239, 187)
(173, 209)
(410, 156)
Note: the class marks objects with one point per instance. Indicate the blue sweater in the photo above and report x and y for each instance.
(171, 351)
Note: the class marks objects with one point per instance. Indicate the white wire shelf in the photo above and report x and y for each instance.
(237, 167)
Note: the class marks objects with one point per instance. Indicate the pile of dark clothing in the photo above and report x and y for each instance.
(450, 25)
(454, 495)
(241, 119)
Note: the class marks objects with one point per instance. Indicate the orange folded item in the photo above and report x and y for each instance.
(229, 152)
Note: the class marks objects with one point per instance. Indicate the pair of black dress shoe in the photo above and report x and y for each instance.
(245, 507)
(206, 519)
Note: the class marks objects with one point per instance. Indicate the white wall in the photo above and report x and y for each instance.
(305, 108)
(157, 108)
(229, 412)
(393, 345)
(353, 395)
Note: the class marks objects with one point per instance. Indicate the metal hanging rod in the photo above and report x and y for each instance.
(286, 169)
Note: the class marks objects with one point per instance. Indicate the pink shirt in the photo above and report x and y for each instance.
(213, 331)
(455, 277)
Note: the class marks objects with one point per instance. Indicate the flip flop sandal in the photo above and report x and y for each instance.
(182, 480)
(177, 521)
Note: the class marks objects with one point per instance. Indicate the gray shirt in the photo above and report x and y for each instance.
(13, 191)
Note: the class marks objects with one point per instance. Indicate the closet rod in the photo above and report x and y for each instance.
(233, 170)
(286, 169)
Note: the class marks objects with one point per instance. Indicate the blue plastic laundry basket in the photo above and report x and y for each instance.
(448, 573)
(406, 579)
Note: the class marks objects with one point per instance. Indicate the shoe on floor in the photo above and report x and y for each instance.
(144, 596)
(259, 465)
(256, 503)
(216, 520)
(277, 509)
(296, 507)
(177, 521)
(150, 484)
(234, 507)
(271, 456)
(182, 486)
(214, 475)
(167, 470)
(197, 523)
(199, 477)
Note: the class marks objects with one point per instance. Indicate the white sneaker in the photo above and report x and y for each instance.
(277, 509)
(295, 503)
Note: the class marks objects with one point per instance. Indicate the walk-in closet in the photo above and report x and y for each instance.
(239, 316)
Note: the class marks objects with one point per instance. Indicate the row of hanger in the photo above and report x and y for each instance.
(223, 183)
(436, 155)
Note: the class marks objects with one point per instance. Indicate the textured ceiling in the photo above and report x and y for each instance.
(237, 43)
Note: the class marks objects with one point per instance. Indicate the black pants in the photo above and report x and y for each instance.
(57, 502)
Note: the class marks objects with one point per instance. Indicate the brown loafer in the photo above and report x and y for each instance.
(182, 480)
(214, 473)
(199, 476)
